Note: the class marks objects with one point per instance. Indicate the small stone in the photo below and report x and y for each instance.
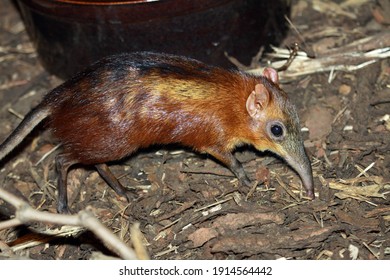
(344, 89)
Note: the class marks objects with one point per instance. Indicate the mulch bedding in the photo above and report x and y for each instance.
(190, 207)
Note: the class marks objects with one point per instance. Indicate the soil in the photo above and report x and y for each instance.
(190, 207)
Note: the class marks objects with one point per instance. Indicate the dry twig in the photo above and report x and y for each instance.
(351, 57)
(85, 218)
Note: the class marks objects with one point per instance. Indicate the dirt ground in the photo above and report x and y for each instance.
(190, 207)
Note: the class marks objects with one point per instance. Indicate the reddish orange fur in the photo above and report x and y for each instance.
(199, 112)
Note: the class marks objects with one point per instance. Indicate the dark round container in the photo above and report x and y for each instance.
(70, 34)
